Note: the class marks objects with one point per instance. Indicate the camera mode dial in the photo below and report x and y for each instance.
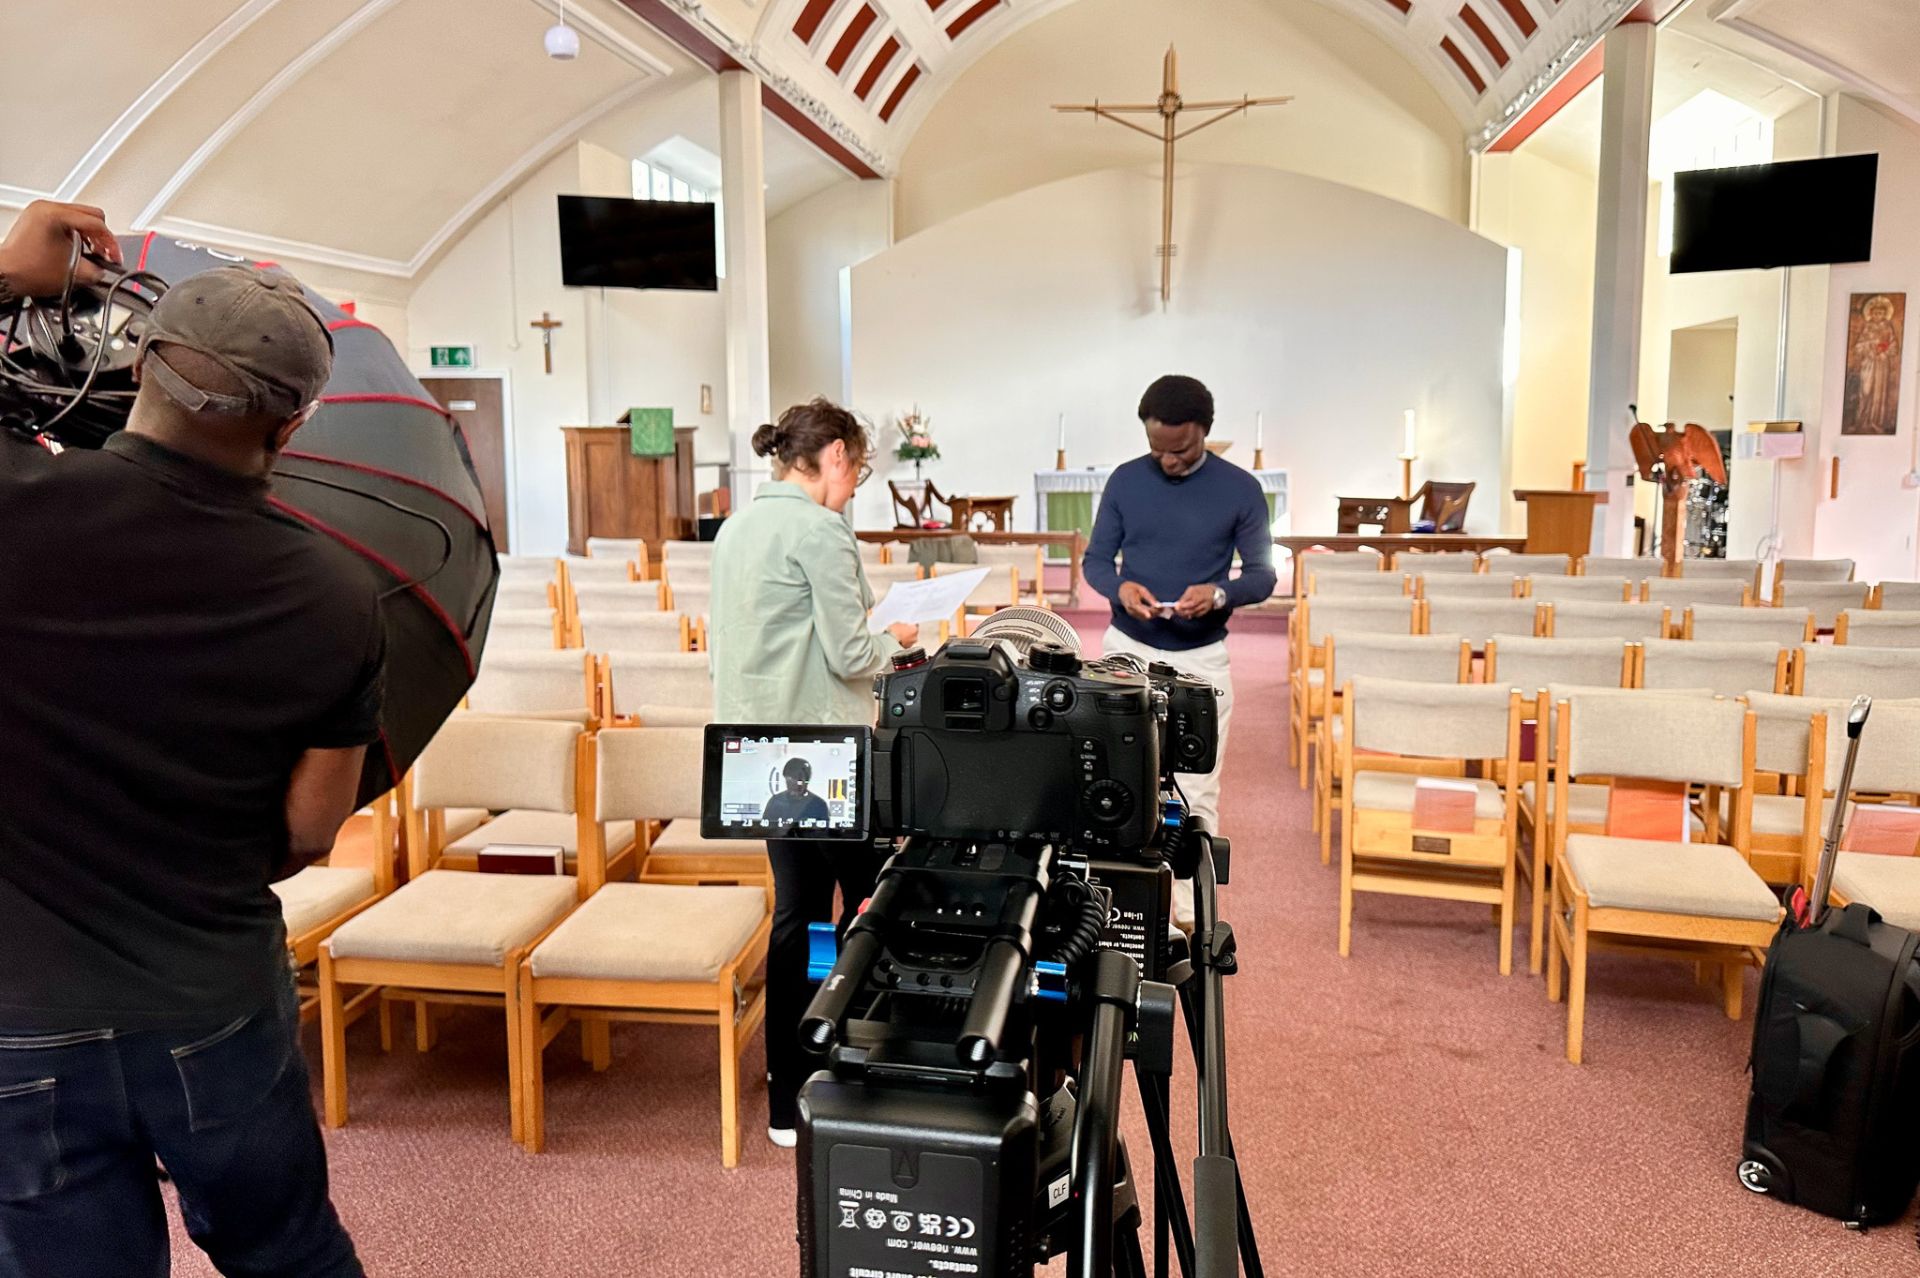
(908, 658)
(1053, 658)
(1108, 801)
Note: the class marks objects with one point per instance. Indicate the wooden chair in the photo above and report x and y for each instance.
(1561, 589)
(1328, 562)
(1795, 756)
(1028, 562)
(659, 953)
(512, 682)
(1478, 620)
(450, 936)
(673, 848)
(1580, 620)
(619, 630)
(1000, 588)
(655, 689)
(526, 630)
(1825, 599)
(1420, 562)
(1889, 763)
(1532, 666)
(1528, 564)
(612, 596)
(1847, 670)
(528, 570)
(1745, 571)
(881, 577)
(913, 504)
(1802, 570)
(1411, 730)
(1357, 585)
(1735, 624)
(1678, 593)
(1896, 596)
(1635, 568)
(1443, 506)
(1693, 901)
(1486, 585)
(315, 902)
(630, 549)
(693, 601)
(1729, 669)
(1411, 658)
(1318, 620)
(696, 555)
(515, 596)
(1876, 629)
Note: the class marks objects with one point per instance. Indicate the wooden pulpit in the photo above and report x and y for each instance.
(612, 493)
(1559, 521)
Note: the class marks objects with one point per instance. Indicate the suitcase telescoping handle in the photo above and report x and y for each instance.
(1823, 877)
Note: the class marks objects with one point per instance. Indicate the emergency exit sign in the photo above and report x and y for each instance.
(452, 356)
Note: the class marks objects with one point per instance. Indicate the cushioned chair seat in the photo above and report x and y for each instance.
(683, 838)
(1890, 884)
(1586, 803)
(1775, 813)
(1669, 878)
(652, 932)
(321, 892)
(450, 916)
(523, 825)
(1393, 792)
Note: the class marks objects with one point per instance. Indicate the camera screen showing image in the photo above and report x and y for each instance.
(785, 782)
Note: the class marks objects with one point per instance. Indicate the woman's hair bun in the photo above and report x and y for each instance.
(766, 440)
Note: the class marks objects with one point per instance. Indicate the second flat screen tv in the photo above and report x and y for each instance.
(1797, 213)
(614, 243)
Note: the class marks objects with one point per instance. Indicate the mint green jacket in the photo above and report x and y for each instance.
(787, 621)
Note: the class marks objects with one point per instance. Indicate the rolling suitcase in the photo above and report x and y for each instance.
(1833, 1123)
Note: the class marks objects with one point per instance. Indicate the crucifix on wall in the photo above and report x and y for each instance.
(546, 324)
(1169, 107)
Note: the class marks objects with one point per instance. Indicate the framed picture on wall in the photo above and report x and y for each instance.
(1876, 325)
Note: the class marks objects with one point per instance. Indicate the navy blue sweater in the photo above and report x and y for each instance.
(1175, 533)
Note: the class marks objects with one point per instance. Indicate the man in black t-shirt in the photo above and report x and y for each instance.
(191, 681)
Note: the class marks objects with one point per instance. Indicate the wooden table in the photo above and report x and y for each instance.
(1072, 539)
(997, 510)
(1391, 543)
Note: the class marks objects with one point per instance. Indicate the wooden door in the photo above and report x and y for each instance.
(479, 406)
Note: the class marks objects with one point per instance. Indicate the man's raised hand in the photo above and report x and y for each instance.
(33, 256)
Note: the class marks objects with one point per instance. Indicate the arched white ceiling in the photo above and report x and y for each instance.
(366, 134)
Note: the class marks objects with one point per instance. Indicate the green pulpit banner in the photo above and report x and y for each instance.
(651, 430)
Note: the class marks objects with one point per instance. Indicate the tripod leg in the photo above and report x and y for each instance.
(1169, 1200)
(1128, 1262)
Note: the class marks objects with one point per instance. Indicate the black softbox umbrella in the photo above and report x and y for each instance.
(384, 470)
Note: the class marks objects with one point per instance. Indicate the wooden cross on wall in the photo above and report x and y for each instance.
(546, 324)
(1168, 107)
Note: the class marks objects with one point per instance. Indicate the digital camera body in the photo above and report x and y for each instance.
(974, 745)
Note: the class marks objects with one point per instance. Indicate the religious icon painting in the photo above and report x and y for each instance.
(1876, 327)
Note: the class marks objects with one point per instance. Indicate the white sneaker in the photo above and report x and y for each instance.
(784, 1137)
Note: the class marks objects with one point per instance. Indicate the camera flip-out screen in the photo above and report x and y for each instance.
(786, 782)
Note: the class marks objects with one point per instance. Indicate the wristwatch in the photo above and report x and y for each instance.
(1219, 598)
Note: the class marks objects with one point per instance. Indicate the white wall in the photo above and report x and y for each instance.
(808, 247)
(1328, 308)
(1700, 378)
(1360, 114)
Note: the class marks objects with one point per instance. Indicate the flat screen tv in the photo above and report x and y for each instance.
(614, 243)
(1796, 213)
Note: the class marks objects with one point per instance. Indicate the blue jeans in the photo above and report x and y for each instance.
(84, 1115)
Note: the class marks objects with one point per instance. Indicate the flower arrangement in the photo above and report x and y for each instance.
(916, 438)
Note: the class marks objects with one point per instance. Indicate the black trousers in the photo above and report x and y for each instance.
(805, 873)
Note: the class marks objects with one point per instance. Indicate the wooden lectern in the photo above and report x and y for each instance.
(612, 493)
(1559, 521)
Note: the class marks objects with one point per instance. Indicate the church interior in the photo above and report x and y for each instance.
(1562, 340)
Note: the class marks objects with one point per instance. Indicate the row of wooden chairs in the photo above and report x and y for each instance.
(1700, 894)
(1825, 599)
(614, 689)
(680, 945)
(1634, 567)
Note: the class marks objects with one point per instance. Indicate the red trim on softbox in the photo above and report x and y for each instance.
(394, 475)
(414, 400)
(145, 244)
(373, 556)
(336, 325)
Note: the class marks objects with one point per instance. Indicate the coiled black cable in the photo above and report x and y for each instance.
(1083, 937)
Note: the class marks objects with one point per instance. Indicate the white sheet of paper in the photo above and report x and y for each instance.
(935, 599)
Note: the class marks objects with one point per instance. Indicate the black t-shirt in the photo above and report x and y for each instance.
(169, 647)
(788, 808)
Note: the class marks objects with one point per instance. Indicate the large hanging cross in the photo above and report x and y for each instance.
(1168, 108)
(546, 324)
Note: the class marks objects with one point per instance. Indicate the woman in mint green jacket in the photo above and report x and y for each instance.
(788, 627)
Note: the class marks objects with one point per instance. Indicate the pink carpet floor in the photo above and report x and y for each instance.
(1404, 1111)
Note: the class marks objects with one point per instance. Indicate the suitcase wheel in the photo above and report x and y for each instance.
(1756, 1176)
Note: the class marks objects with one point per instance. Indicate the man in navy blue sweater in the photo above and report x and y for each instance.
(1163, 543)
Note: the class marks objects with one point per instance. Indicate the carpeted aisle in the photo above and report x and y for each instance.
(1405, 1111)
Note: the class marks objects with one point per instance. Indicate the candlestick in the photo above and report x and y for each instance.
(1259, 428)
(1063, 431)
(1060, 453)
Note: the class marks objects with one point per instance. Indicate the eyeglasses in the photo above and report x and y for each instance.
(863, 474)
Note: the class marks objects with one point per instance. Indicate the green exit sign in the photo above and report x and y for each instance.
(452, 356)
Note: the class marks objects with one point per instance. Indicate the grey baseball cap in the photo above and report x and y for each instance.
(257, 325)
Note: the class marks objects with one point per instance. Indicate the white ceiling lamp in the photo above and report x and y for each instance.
(563, 42)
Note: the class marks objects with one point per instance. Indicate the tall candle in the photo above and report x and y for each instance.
(1408, 451)
(1259, 427)
(1063, 432)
